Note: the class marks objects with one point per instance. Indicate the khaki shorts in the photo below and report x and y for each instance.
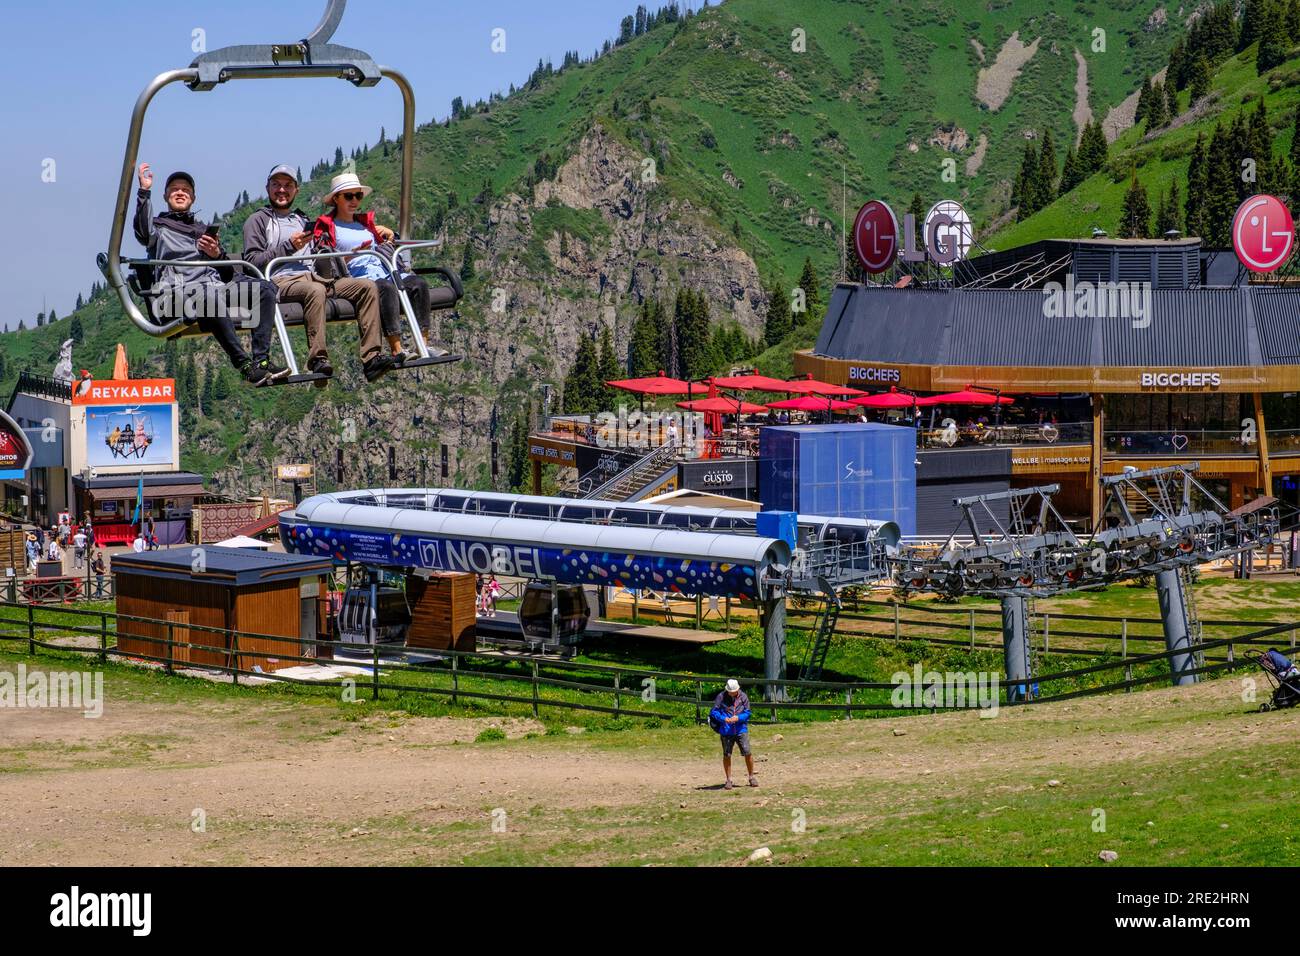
(730, 741)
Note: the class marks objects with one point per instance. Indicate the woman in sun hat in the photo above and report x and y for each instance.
(355, 231)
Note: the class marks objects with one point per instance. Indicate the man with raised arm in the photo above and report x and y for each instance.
(177, 234)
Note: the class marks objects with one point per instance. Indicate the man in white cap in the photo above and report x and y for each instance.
(279, 229)
(730, 718)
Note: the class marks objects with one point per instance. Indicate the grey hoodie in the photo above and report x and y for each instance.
(173, 235)
(261, 232)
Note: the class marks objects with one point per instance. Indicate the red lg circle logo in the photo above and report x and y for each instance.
(875, 236)
(1262, 233)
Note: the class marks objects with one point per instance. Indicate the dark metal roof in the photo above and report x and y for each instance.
(227, 566)
(1196, 327)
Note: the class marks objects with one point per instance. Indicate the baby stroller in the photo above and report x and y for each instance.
(1284, 677)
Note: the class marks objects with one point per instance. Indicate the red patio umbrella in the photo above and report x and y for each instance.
(811, 403)
(810, 386)
(968, 397)
(653, 385)
(892, 399)
(722, 405)
(750, 383)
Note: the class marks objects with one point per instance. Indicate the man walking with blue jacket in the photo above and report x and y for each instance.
(730, 718)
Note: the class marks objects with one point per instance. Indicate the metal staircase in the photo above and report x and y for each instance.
(819, 644)
(635, 476)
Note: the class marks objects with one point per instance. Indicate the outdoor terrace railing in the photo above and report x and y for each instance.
(1182, 443)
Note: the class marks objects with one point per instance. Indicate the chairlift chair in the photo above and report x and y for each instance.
(313, 56)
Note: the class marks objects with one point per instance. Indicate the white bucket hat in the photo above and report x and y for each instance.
(733, 686)
(345, 182)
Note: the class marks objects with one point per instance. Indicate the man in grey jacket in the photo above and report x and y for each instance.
(278, 229)
(204, 289)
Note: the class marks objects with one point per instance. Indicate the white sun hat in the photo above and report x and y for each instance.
(733, 686)
(345, 182)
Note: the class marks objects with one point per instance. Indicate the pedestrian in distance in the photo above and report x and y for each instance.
(97, 566)
(79, 549)
(730, 719)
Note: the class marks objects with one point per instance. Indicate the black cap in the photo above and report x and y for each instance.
(179, 175)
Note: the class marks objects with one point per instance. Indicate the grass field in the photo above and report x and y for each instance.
(1190, 776)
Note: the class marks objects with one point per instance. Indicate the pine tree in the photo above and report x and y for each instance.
(299, 177)
(608, 368)
(80, 303)
(1175, 209)
(1135, 217)
(917, 208)
(40, 319)
(1171, 98)
(1176, 72)
(1194, 207)
(220, 385)
(1293, 20)
(51, 318)
(1221, 179)
(206, 402)
(75, 330)
(1071, 173)
(1201, 76)
(467, 262)
(1045, 178)
(693, 338)
(643, 351)
(1166, 216)
(517, 455)
(582, 387)
(1260, 148)
(338, 156)
(22, 326)
(1144, 104)
(564, 244)
(1274, 44)
(812, 297)
(778, 324)
(1093, 148)
(1157, 111)
(1023, 193)
(1252, 26)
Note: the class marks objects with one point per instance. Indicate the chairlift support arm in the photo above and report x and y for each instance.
(312, 56)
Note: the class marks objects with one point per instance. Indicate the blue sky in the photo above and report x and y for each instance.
(73, 68)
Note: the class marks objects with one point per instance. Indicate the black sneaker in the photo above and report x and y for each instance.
(378, 367)
(273, 372)
(320, 366)
(253, 373)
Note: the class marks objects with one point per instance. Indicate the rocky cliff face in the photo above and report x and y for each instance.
(520, 322)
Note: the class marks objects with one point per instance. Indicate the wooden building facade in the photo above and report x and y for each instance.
(273, 605)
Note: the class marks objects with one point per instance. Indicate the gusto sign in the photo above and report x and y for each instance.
(1263, 233)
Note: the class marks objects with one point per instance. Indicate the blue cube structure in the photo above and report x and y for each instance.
(861, 470)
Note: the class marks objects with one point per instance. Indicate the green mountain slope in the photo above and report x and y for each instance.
(1162, 157)
(714, 153)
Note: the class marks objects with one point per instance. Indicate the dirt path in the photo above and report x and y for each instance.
(288, 782)
(993, 85)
